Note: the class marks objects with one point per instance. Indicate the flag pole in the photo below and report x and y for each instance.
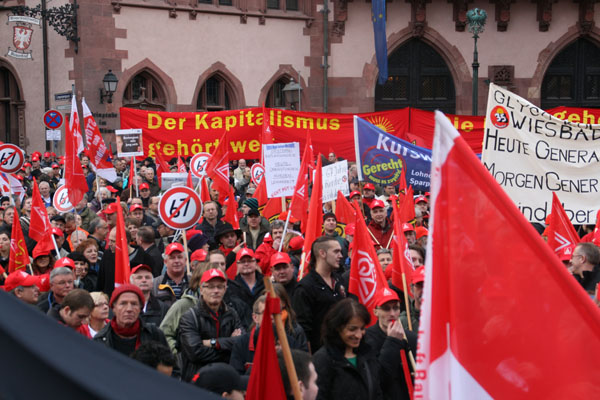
(285, 347)
(55, 246)
(406, 300)
(301, 269)
(137, 190)
(187, 257)
(287, 221)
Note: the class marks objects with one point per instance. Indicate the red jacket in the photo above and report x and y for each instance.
(381, 236)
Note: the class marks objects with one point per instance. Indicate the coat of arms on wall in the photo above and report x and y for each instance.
(22, 35)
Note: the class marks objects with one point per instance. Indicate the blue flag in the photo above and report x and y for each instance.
(378, 15)
(381, 157)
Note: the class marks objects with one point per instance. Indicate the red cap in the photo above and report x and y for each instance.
(35, 158)
(27, 164)
(354, 193)
(47, 154)
(53, 154)
(369, 186)
(55, 165)
(283, 217)
(64, 262)
(418, 275)
(244, 252)
(20, 278)
(296, 243)
(420, 199)
(406, 227)
(350, 228)
(111, 208)
(111, 189)
(36, 154)
(279, 258)
(212, 274)
(566, 252)
(57, 231)
(385, 296)
(376, 204)
(61, 162)
(136, 207)
(141, 266)
(173, 247)
(421, 231)
(191, 233)
(144, 186)
(41, 250)
(199, 255)
(119, 290)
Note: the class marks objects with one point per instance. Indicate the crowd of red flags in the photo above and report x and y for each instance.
(74, 178)
(217, 168)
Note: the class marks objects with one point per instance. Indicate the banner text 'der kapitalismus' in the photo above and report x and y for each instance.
(245, 118)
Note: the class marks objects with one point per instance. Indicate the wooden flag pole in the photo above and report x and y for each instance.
(285, 347)
(389, 241)
(406, 300)
(187, 258)
(301, 269)
(283, 204)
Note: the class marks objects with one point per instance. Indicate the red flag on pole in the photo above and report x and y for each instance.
(39, 224)
(315, 216)
(344, 212)
(217, 168)
(501, 316)
(261, 194)
(204, 191)
(407, 210)
(231, 214)
(96, 150)
(402, 263)
(161, 166)
(18, 257)
(299, 204)
(561, 232)
(74, 179)
(266, 134)
(272, 209)
(180, 165)
(265, 379)
(122, 268)
(366, 275)
(189, 181)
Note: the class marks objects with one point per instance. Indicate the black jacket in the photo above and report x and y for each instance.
(242, 353)
(338, 379)
(387, 350)
(237, 288)
(150, 332)
(157, 260)
(198, 324)
(155, 311)
(312, 299)
(106, 276)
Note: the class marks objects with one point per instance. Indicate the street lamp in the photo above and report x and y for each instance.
(476, 20)
(292, 92)
(110, 82)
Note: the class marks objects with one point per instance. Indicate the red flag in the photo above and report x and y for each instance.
(96, 150)
(310, 156)
(561, 232)
(299, 204)
(501, 316)
(122, 268)
(180, 165)
(260, 194)
(402, 262)
(39, 225)
(407, 212)
(272, 209)
(231, 215)
(596, 233)
(366, 276)
(74, 179)
(266, 134)
(315, 216)
(344, 212)
(217, 168)
(265, 379)
(161, 166)
(18, 257)
(190, 182)
(204, 191)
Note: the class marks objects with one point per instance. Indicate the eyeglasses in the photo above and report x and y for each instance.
(388, 308)
(213, 287)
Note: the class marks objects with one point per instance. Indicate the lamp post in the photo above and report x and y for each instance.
(293, 93)
(110, 82)
(476, 21)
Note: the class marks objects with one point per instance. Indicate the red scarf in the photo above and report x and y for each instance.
(134, 330)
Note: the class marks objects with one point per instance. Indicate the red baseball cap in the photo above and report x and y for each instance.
(354, 193)
(173, 247)
(199, 255)
(377, 204)
(421, 231)
(111, 208)
(385, 296)
(136, 207)
(566, 253)
(62, 161)
(55, 165)
(144, 186)
(20, 278)
(243, 253)
(64, 262)
(279, 258)
(141, 266)
(421, 199)
(53, 154)
(369, 186)
(27, 164)
(190, 233)
(212, 274)
(111, 189)
(406, 227)
(418, 275)
(47, 154)
(57, 231)
(36, 154)
(35, 158)
(119, 290)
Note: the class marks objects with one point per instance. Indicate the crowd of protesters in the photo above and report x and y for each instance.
(203, 327)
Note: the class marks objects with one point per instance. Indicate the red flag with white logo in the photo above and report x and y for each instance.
(122, 267)
(501, 316)
(39, 224)
(96, 148)
(74, 179)
(181, 165)
(217, 168)
(561, 232)
(18, 257)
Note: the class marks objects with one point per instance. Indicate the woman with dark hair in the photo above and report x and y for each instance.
(89, 249)
(43, 260)
(346, 366)
(4, 248)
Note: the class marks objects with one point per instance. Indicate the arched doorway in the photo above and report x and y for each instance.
(417, 77)
(11, 107)
(573, 77)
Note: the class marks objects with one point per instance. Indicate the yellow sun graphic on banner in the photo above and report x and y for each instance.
(382, 123)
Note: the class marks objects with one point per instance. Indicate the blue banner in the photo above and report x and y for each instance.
(378, 16)
(380, 157)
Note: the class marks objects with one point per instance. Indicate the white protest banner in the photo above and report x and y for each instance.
(129, 142)
(282, 163)
(335, 177)
(531, 154)
(171, 179)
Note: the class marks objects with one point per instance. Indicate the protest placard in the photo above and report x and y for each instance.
(335, 177)
(282, 163)
(129, 142)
